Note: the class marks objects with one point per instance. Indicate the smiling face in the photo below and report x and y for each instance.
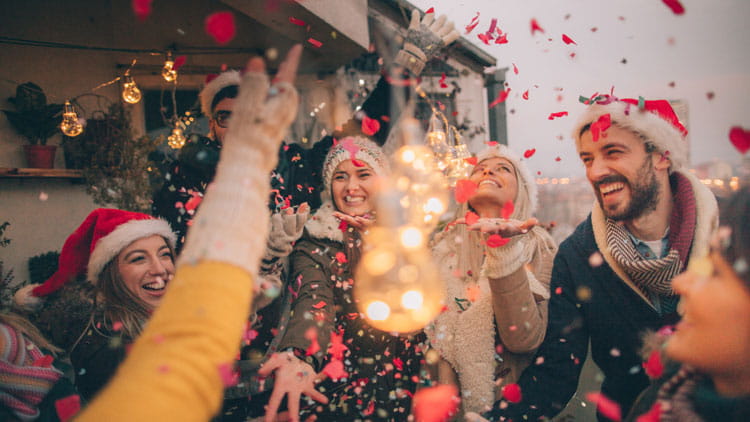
(145, 267)
(714, 334)
(622, 173)
(353, 188)
(496, 184)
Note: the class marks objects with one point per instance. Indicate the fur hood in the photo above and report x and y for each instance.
(323, 225)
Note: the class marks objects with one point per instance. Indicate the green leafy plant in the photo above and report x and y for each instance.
(42, 266)
(33, 118)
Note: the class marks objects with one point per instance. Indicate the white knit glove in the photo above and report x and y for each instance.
(285, 230)
(506, 259)
(231, 223)
(424, 40)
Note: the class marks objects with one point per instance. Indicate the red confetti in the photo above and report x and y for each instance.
(298, 22)
(525, 95)
(430, 10)
(68, 407)
(464, 190)
(653, 366)
(442, 81)
(653, 415)
(398, 363)
(502, 39)
(501, 96)
(512, 393)
(229, 377)
(740, 138)
(600, 126)
(142, 9)
(343, 225)
(315, 43)
(471, 218)
(436, 404)
(193, 202)
(507, 209)
(710, 95)
(341, 258)
(567, 40)
(312, 335)
(319, 305)
(495, 241)
(220, 26)
(675, 5)
(485, 38)
(43, 362)
(529, 152)
(117, 326)
(473, 24)
(553, 116)
(337, 347)
(358, 163)
(370, 126)
(535, 27)
(471, 160)
(178, 62)
(558, 158)
(335, 370)
(515, 69)
(605, 405)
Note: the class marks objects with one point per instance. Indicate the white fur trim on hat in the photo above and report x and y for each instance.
(112, 244)
(225, 79)
(25, 300)
(528, 182)
(660, 132)
(367, 151)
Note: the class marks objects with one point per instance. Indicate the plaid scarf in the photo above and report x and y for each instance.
(23, 385)
(655, 275)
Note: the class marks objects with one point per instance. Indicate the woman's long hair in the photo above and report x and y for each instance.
(25, 327)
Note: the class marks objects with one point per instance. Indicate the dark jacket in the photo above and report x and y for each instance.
(383, 366)
(95, 358)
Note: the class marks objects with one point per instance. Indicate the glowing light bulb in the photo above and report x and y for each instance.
(168, 72)
(411, 237)
(130, 92)
(70, 126)
(378, 311)
(437, 140)
(177, 139)
(412, 299)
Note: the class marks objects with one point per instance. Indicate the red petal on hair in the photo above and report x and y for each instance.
(471, 218)
(68, 407)
(676, 6)
(495, 241)
(512, 393)
(605, 406)
(370, 126)
(220, 26)
(178, 62)
(653, 366)
(315, 43)
(335, 370)
(229, 376)
(465, 189)
(507, 209)
(501, 96)
(142, 9)
(436, 404)
(298, 22)
(473, 24)
(529, 152)
(567, 40)
(740, 138)
(535, 27)
(600, 126)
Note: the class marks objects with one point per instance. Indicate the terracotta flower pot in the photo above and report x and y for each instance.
(40, 156)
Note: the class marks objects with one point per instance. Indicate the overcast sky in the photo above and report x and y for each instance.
(639, 47)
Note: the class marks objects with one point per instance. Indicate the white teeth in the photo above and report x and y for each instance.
(158, 284)
(488, 182)
(354, 199)
(609, 188)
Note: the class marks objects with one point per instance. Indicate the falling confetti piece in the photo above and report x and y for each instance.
(536, 27)
(740, 138)
(142, 9)
(312, 335)
(43, 196)
(471, 218)
(220, 26)
(117, 326)
(600, 126)
(471, 160)
(676, 6)
(567, 40)
(501, 96)
(710, 95)
(43, 362)
(653, 366)
(335, 370)
(485, 38)
(179, 61)
(442, 81)
(298, 22)
(605, 405)
(495, 241)
(473, 24)
(315, 43)
(341, 259)
(430, 10)
(525, 95)
(68, 407)
(465, 189)
(193, 202)
(370, 126)
(507, 209)
(512, 393)
(229, 377)
(529, 152)
(558, 158)
(319, 305)
(337, 347)
(596, 259)
(515, 70)
(436, 404)
(502, 39)
(554, 116)
(653, 415)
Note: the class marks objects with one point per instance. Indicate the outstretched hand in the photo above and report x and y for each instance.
(293, 378)
(361, 223)
(504, 227)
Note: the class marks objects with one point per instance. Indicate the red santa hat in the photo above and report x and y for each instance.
(655, 120)
(99, 239)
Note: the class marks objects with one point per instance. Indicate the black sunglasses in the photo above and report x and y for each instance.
(222, 118)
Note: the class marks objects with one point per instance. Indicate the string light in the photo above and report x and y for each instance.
(177, 139)
(70, 126)
(130, 92)
(168, 72)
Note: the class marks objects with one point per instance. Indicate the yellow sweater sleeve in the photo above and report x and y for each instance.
(172, 371)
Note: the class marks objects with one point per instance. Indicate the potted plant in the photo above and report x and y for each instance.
(37, 121)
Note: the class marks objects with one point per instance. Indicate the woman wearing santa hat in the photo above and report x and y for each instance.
(112, 273)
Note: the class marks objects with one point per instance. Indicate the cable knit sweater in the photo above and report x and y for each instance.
(494, 322)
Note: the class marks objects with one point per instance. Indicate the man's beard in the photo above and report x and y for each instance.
(644, 193)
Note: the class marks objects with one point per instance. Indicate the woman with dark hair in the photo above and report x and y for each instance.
(113, 271)
(707, 377)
